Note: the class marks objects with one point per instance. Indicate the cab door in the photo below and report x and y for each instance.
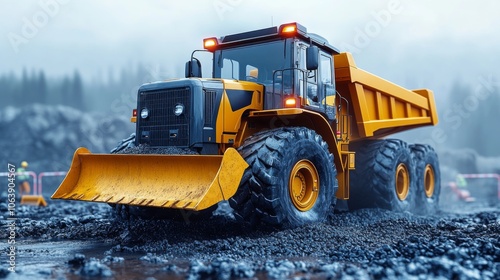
(316, 87)
(326, 87)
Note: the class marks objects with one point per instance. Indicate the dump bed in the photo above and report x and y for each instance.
(378, 106)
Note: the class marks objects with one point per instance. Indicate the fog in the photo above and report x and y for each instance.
(418, 43)
(100, 52)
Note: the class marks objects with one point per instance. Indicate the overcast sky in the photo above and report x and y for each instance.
(414, 43)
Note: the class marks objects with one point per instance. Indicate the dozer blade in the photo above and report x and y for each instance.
(192, 182)
(35, 200)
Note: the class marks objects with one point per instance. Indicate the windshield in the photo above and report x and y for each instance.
(254, 63)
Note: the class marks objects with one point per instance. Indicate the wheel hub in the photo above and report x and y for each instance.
(304, 185)
(402, 182)
(429, 180)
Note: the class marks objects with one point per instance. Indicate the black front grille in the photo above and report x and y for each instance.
(163, 127)
(210, 96)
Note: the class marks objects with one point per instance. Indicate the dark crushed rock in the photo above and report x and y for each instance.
(369, 243)
(78, 260)
(145, 149)
(96, 269)
(92, 267)
(151, 258)
(4, 272)
(220, 268)
(111, 259)
(62, 220)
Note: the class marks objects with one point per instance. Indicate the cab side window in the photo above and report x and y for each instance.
(310, 79)
(326, 77)
(326, 69)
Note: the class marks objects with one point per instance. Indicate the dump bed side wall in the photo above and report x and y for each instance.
(380, 107)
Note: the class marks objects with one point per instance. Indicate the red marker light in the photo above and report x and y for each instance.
(134, 113)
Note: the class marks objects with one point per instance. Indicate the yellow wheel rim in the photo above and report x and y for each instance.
(303, 185)
(429, 180)
(402, 182)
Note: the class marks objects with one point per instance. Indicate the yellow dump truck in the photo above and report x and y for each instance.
(285, 126)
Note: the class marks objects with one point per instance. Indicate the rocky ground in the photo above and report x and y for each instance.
(70, 240)
(75, 240)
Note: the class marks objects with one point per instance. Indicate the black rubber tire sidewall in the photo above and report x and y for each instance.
(403, 155)
(309, 150)
(373, 182)
(423, 155)
(273, 154)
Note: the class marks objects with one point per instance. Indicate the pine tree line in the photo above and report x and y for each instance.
(33, 87)
(102, 93)
(470, 117)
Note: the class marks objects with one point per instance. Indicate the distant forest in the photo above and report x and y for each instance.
(116, 90)
(33, 87)
(468, 118)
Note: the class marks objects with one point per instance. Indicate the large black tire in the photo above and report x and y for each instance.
(384, 176)
(153, 213)
(428, 182)
(241, 202)
(279, 187)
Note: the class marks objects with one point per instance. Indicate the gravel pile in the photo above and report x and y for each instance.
(368, 243)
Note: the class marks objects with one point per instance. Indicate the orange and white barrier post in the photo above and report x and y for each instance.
(485, 176)
(48, 174)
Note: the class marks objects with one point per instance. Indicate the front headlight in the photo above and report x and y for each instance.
(144, 113)
(179, 109)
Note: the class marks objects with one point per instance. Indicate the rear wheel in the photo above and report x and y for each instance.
(291, 180)
(428, 178)
(383, 177)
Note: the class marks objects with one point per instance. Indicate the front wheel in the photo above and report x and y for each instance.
(291, 180)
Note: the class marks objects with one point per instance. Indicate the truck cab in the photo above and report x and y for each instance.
(294, 67)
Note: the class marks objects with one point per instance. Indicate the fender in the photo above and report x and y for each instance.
(258, 121)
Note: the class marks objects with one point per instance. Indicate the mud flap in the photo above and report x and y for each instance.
(191, 182)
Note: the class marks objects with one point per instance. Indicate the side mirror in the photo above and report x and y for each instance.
(193, 68)
(312, 59)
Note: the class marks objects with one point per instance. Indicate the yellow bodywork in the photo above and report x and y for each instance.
(228, 120)
(191, 182)
(381, 107)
